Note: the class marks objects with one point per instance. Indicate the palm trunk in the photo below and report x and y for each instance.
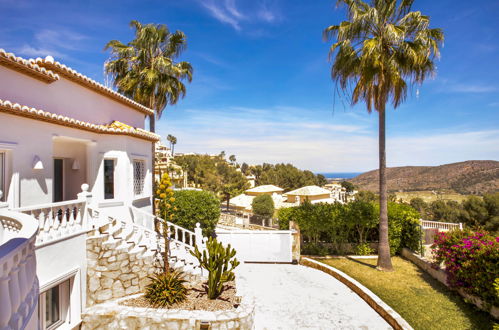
(384, 259)
(152, 128)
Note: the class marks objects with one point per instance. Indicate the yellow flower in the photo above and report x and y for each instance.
(162, 186)
(162, 195)
(168, 206)
(172, 199)
(171, 216)
(175, 208)
(158, 191)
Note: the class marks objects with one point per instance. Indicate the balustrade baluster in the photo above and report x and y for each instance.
(15, 290)
(6, 309)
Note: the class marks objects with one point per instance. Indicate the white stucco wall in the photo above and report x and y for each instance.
(26, 138)
(66, 98)
(55, 262)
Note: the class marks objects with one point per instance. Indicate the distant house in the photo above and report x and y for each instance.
(314, 194)
(243, 203)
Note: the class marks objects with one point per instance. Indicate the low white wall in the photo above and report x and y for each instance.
(259, 245)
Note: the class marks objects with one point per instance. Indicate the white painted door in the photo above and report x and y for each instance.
(259, 245)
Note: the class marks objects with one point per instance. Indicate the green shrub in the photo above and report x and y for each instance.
(220, 262)
(284, 216)
(196, 206)
(263, 205)
(403, 227)
(166, 289)
(363, 249)
(314, 249)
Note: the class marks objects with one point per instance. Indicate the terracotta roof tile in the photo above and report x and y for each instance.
(115, 127)
(26, 67)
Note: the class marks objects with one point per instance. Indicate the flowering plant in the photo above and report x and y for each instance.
(471, 260)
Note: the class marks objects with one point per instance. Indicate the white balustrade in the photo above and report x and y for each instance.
(18, 282)
(178, 234)
(57, 220)
(426, 224)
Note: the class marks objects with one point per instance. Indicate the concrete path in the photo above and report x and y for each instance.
(298, 297)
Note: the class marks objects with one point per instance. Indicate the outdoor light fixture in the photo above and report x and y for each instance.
(76, 165)
(37, 163)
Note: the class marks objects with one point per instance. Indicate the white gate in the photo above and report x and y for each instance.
(259, 245)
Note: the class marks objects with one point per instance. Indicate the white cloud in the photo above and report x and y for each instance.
(276, 135)
(471, 88)
(228, 12)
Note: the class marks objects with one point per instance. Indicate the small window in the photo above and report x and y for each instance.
(54, 306)
(139, 174)
(3, 195)
(108, 178)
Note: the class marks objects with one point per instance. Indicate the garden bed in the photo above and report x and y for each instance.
(196, 299)
(421, 300)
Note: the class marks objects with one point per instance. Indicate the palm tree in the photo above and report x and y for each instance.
(173, 141)
(378, 53)
(144, 69)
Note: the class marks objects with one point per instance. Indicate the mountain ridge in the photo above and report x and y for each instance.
(467, 177)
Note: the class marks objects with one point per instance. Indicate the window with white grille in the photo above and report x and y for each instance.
(139, 174)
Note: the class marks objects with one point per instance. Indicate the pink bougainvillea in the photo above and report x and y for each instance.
(471, 260)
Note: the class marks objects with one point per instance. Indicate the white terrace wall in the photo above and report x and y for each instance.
(24, 138)
(66, 98)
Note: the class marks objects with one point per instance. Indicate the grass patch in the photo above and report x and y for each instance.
(429, 197)
(420, 299)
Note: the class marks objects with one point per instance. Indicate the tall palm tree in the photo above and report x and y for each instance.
(145, 68)
(378, 53)
(174, 142)
(170, 138)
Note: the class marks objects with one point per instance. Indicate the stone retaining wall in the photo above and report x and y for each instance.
(112, 315)
(113, 271)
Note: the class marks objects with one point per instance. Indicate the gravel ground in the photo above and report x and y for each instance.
(196, 299)
(298, 297)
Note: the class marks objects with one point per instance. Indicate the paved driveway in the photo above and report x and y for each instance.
(298, 297)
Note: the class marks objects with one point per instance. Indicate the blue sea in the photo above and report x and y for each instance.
(340, 175)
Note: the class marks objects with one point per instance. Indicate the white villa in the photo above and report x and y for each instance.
(76, 223)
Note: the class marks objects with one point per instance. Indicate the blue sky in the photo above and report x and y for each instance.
(262, 87)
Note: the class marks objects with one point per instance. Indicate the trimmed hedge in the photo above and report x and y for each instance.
(356, 222)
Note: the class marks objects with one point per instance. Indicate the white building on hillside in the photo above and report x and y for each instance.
(61, 132)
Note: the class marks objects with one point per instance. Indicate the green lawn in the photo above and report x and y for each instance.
(421, 300)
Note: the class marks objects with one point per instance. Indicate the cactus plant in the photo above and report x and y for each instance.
(220, 262)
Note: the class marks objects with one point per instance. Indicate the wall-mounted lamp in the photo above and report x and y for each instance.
(37, 163)
(76, 165)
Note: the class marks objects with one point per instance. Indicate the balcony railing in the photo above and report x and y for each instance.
(18, 281)
(444, 226)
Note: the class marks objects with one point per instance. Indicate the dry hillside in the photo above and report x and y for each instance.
(473, 176)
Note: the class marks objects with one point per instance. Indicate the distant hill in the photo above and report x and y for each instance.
(473, 176)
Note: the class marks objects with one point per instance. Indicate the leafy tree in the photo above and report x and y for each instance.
(445, 211)
(285, 176)
(492, 205)
(366, 196)
(419, 205)
(245, 168)
(213, 174)
(196, 206)
(232, 159)
(362, 217)
(475, 213)
(378, 51)
(348, 186)
(263, 205)
(145, 68)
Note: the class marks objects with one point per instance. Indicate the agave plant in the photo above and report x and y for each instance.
(166, 289)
